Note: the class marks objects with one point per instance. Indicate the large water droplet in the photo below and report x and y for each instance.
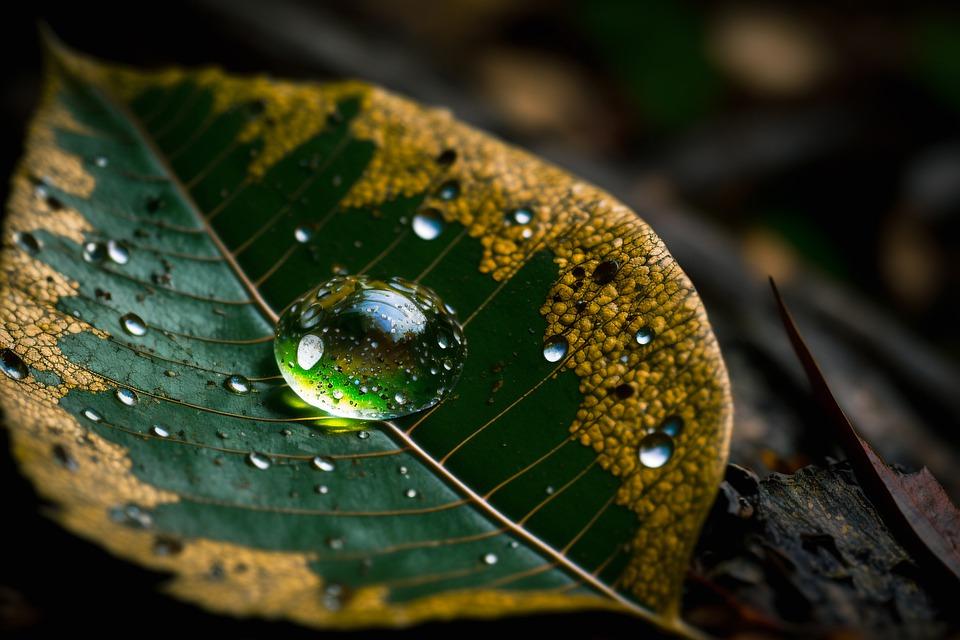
(368, 347)
(237, 384)
(13, 365)
(26, 241)
(428, 224)
(118, 252)
(133, 324)
(644, 336)
(554, 348)
(655, 449)
(126, 396)
(258, 460)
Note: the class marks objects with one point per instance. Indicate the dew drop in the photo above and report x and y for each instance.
(449, 190)
(672, 426)
(644, 336)
(303, 234)
(118, 252)
(403, 470)
(655, 449)
(359, 347)
(335, 543)
(133, 324)
(13, 365)
(427, 224)
(126, 396)
(522, 215)
(322, 489)
(27, 242)
(92, 415)
(489, 559)
(94, 251)
(237, 384)
(410, 493)
(554, 348)
(322, 464)
(258, 460)
(514, 544)
(363, 435)
(160, 431)
(101, 161)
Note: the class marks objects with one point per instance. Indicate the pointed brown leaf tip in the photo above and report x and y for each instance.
(914, 505)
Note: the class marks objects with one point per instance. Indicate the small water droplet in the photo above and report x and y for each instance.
(549, 490)
(303, 234)
(63, 457)
(363, 435)
(167, 546)
(403, 470)
(514, 544)
(310, 349)
(258, 460)
(118, 252)
(133, 324)
(101, 161)
(27, 242)
(489, 558)
(126, 396)
(92, 415)
(644, 336)
(322, 464)
(655, 449)
(237, 384)
(400, 398)
(13, 365)
(335, 543)
(428, 224)
(410, 493)
(322, 489)
(672, 426)
(132, 516)
(333, 597)
(449, 190)
(522, 215)
(606, 271)
(555, 348)
(94, 251)
(160, 431)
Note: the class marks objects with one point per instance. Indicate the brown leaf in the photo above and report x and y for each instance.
(914, 505)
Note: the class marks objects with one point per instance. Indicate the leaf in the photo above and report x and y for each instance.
(914, 505)
(527, 491)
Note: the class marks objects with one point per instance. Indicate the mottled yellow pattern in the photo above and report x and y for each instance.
(680, 373)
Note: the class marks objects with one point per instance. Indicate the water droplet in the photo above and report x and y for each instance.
(363, 435)
(672, 426)
(160, 431)
(549, 490)
(237, 384)
(428, 224)
(449, 190)
(258, 460)
(555, 348)
(489, 558)
(606, 271)
(322, 489)
(335, 543)
(27, 242)
(333, 597)
(303, 234)
(94, 251)
(368, 347)
(118, 252)
(167, 546)
(410, 493)
(403, 470)
(523, 215)
(101, 161)
(126, 396)
(644, 336)
(655, 449)
(92, 415)
(132, 516)
(13, 365)
(514, 544)
(322, 464)
(133, 324)
(63, 457)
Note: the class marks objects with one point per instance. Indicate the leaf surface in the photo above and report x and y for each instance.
(522, 491)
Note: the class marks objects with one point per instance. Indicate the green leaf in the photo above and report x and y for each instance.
(522, 491)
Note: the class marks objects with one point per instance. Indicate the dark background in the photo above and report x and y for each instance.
(817, 144)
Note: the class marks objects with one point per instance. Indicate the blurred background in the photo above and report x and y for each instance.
(816, 143)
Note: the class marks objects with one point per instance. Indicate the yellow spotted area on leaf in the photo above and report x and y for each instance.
(158, 225)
